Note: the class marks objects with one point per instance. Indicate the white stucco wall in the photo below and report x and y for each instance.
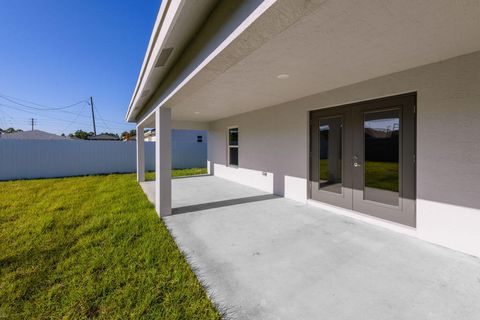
(273, 145)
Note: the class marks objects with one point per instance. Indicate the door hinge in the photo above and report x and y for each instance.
(414, 108)
(414, 158)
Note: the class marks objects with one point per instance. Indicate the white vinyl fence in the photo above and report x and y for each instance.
(29, 159)
(187, 150)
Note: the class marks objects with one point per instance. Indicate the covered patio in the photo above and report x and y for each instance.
(160, 191)
(267, 257)
(261, 77)
(196, 193)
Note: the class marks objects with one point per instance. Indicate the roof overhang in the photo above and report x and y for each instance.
(236, 55)
(176, 23)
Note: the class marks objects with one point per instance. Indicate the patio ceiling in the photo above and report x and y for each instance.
(322, 46)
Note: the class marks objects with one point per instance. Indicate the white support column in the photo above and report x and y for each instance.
(163, 162)
(210, 164)
(140, 154)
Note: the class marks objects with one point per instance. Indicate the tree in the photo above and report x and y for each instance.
(10, 130)
(80, 134)
(126, 135)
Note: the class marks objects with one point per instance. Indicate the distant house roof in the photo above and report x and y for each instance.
(103, 137)
(32, 135)
(147, 134)
(380, 134)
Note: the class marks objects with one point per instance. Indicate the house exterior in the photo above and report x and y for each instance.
(32, 135)
(369, 109)
(150, 135)
(104, 137)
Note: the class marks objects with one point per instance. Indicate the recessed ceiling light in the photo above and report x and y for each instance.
(197, 112)
(283, 76)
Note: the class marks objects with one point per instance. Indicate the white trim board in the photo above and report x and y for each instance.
(365, 218)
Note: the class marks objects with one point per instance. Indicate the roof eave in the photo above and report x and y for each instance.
(167, 8)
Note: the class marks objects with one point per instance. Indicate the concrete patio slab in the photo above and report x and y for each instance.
(274, 258)
(202, 189)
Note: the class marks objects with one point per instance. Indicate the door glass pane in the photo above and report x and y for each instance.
(330, 157)
(381, 130)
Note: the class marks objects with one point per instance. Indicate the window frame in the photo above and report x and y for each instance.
(229, 146)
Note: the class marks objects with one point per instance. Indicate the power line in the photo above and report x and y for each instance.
(49, 117)
(4, 121)
(49, 108)
(8, 116)
(85, 116)
(45, 108)
(74, 120)
(101, 118)
(23, 103)
(30, 112)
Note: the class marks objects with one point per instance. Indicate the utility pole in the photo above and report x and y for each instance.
(93, 116)
(32, 121)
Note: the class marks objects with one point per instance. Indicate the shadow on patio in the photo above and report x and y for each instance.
(202, 192)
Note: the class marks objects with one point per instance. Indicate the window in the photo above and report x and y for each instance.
(199, 138)
(233, 146)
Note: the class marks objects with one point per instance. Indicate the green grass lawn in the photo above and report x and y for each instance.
(91, 247)
(381, 175)
(150, 176)
(324, 168)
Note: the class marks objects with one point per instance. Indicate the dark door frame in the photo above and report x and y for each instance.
(344, 198)
(352, 196)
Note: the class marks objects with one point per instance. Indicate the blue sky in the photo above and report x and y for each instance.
(58, 52)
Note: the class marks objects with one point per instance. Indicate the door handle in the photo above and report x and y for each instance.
(355, 162)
